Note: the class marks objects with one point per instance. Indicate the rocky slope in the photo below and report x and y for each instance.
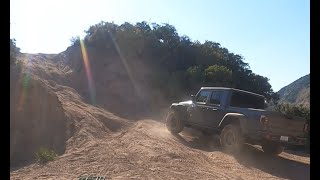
(298, 92)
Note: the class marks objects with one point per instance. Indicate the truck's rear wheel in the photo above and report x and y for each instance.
(272, 148)
(174, 123)
(231, 139)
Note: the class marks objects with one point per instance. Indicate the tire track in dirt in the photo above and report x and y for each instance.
(146, 150)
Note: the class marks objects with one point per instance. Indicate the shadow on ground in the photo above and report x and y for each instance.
(251, 156)
(196, 140)
(298, 151)
(275, 165)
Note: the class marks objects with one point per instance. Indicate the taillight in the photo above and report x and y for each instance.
(264, 120)
(305, 128)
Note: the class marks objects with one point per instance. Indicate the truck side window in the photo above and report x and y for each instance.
(202, 96)
(244, 100)
(216, 97)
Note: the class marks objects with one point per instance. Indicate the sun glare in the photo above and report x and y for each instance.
(88, 71)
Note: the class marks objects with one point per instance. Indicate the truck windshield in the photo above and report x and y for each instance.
(246, 100)
(202, 96)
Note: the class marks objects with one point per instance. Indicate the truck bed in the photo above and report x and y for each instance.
(279, 124)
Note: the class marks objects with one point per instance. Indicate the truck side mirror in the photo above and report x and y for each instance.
(265, 104)
(192, 97)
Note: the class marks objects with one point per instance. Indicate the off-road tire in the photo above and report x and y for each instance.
(271, 148)
(174, 123)
(231, 139)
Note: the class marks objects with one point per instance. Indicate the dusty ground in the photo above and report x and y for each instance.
(98, 142)
(146, 150)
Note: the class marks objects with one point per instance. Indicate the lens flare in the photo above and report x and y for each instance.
(24, 79)
(127, 67)
(88, 72)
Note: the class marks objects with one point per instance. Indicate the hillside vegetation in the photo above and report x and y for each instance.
(14, 51)
(177, 64)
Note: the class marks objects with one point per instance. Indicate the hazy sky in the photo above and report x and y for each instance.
(272, 35)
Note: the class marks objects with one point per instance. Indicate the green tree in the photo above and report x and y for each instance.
(195, 78)
(14, 51)
(75, 41)
(218, 76)
(178, 64)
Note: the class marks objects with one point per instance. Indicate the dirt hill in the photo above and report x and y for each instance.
(44, 113)
(97, 131)
(111, 82)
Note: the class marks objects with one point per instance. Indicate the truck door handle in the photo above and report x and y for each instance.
(214, 109)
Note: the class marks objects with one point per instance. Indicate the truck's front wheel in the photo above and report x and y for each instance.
(231, 139)
(271, 148)
(174, 123)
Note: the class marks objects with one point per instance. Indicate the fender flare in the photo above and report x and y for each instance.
(242, 120)
(178, 110)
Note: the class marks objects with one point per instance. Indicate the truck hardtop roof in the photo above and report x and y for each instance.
(234, 89)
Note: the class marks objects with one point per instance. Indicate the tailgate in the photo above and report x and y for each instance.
(279, 124)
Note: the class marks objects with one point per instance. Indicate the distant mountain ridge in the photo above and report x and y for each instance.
(298, 92)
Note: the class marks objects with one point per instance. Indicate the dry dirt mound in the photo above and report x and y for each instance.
(36, 119)
(46, 114)
(147, 150)
(93, 141)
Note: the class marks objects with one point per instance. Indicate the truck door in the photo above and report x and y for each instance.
(196, 112)
(215, 108)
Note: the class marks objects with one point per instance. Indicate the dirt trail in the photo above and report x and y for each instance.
(147, 150)
(100, 143)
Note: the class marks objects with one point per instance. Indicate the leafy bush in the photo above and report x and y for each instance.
(75, 41)
(291, 110)
(218, 76)
(44, 155)
(14, 51)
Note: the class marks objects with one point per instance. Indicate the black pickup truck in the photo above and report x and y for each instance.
(239, 117)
